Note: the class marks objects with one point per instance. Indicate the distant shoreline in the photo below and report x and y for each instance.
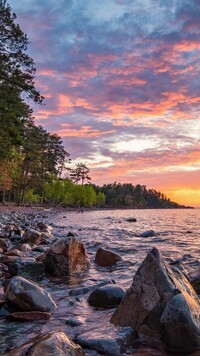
(32, 209)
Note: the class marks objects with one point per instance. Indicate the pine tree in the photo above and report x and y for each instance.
(17, 71)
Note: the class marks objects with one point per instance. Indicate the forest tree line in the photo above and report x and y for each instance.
(33, 161)
(127, 195)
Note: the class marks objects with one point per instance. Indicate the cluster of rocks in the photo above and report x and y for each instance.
(28, 251)
(161, 304)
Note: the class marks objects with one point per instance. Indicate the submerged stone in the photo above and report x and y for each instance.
(148, 233)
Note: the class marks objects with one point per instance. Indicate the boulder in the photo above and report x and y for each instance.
(108, 296)
(64, 257)
(148, 233)
(32, 236)
(106, 258)
(162, 304)
(54, 344)
(27, 295)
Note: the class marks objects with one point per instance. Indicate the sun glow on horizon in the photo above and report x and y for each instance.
(184, 196)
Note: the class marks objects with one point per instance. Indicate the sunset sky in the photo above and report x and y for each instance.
(121, 80)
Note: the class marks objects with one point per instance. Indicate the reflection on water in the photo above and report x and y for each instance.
(177, 237)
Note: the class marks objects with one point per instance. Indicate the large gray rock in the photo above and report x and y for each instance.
(64, 257)
(54, 344)
(28, 296)
(106, 258)
(162, 304)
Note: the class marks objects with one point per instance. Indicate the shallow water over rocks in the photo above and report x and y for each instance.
(177, 236)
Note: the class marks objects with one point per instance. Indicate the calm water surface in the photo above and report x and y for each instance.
(178, 237)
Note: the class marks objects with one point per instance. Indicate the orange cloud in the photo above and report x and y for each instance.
(82, 131)
(186, 46)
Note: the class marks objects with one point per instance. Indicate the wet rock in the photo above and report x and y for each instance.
(15, 252)
(102, 344)
(27, 295)
(47, 237)
(162, 304)
(106, 258)
(195, 282)
(5, 244)
(2, 300)
(131, 220)
(108, 296)
(7, 309)
(182, 313)
(107, 345)
(144, 351)
(54, 344)
(32, 236)
(178, 264)
(42, 226)
(70, 233)
(28, 316)
(39, 249)
(16, 233)
(64, 257)
(75, 321)
(25, 247)
(148, 233)
(27, 268)
(7, 260)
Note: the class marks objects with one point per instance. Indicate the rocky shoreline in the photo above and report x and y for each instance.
(152, 316)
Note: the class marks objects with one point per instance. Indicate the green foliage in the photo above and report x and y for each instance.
(44, 156)
(31, 197)
(119, 195)
(64, 192)
(100, 200)
(17, 72)
(17, 69)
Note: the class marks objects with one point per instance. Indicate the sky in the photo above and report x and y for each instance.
(121, 81)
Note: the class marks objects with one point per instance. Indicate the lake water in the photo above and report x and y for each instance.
(177, 237)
